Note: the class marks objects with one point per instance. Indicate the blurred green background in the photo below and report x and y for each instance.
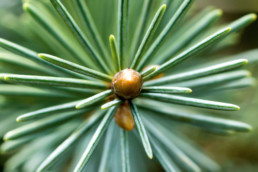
(236, 153)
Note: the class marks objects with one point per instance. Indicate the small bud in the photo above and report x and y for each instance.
(127, 84)
(124, 117)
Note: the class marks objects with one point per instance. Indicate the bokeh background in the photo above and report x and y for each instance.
(236, 153)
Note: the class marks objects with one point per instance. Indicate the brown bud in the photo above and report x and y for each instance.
(123, 117)
(127, 84)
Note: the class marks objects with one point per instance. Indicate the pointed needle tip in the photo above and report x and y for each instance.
(41, 55)
(25, 6)
(78, 107)
(229, 29)
(5, 77)
(254, 16)
(164, 6)
(237, 108)
(150, 156)
(249, 74)
(219, 12)
(6, 137)
(111, 37)
(250, 129)
(18, 119)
